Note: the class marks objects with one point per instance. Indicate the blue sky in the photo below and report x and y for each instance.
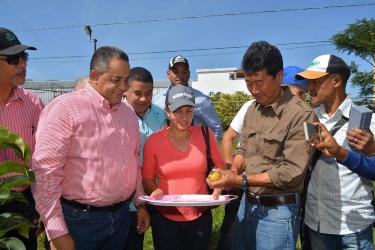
(56, 29)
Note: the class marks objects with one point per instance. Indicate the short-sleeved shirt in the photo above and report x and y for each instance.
(273, 141)
(179, 172)
(237, 121)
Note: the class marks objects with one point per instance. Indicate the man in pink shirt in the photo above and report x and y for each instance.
(19, 112)
(86, 161)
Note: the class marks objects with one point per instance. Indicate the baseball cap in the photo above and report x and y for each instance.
(324, 65)
(290, 77)
(178, 96)
(178, 59)
(9, 43)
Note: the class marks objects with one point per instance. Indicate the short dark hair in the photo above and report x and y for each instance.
(140, 74)
(104, 55)
(262, 55)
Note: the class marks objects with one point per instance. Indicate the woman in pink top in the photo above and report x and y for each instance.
(175, 162)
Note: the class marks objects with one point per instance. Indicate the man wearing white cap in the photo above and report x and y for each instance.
(338, 210)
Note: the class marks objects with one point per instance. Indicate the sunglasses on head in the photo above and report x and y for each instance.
(15, 59)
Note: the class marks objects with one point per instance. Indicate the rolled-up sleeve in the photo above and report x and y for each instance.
(297, 153)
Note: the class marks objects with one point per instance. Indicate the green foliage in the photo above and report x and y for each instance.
(14, 221)
(227, 105)
(359, 39)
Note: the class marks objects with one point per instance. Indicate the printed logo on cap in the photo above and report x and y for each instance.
(10, 37)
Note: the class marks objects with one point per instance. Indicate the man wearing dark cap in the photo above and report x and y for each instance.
(338, 210)
(19, 112)
(204, 112)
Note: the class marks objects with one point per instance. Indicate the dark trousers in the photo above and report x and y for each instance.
(27, 210)
(135, 240)
(229, 223)
(94, 230)
(186, 235)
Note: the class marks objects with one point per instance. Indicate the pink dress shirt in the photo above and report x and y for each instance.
(20, 115)
(85, 151)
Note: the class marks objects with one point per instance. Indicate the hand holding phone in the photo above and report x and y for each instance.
(312, 133)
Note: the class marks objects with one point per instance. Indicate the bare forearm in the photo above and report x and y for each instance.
(149, 186)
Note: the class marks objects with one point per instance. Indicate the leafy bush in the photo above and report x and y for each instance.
(14, 221)
(227, 105)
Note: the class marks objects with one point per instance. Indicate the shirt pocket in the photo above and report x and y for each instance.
(273, 146)
(251, 142)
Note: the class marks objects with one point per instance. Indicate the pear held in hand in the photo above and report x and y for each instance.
(214, 175)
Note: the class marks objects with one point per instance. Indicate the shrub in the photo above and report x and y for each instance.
(227, 105)
(14, 221)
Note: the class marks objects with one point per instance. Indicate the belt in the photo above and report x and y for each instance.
(76, 204)
(273, 200)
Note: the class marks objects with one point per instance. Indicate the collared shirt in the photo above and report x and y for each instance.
(153, 120)
(20, 115)
(86, 151)
(204, 112)
(338, 200)
(237, 122)
(273, 141)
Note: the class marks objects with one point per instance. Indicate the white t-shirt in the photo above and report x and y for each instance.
(237, 121)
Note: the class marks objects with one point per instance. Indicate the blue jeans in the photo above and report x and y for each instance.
(360, 240)
(181, 235)
(229, 224)
(264, 227)
(98, 230)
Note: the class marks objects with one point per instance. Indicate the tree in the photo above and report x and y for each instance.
(359, 39)
(14, 221)
(227, 105)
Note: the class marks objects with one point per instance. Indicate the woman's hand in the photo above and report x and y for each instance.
(157, 193)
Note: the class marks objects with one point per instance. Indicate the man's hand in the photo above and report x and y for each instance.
(229, 179)
(328, 144)
(64, 242)
(143, 219)
(216, 193)
(362, 140)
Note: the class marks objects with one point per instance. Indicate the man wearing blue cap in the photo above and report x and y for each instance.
(298, 87)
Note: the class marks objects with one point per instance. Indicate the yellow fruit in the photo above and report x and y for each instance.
(214, 176)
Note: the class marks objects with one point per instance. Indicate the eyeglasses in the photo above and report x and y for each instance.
(15, 59)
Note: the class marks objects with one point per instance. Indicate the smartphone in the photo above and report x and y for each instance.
(312, 132)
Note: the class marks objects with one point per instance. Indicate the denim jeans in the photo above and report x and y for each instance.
(135, 240)
(181, 235)
(360, 240)
(229, 224)
(264, 227)
(98, 229)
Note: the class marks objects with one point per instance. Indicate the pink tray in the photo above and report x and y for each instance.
(189, 200)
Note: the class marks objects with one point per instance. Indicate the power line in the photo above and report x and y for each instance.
(190, 50)
(200, 17)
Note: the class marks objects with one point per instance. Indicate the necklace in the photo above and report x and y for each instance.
(181, 141)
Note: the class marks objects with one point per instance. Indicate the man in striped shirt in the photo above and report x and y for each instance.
(86, 161)
(19, 112)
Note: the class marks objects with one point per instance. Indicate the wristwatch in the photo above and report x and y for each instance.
(244, 183)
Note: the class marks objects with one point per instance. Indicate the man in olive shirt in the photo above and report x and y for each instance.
(272, 151)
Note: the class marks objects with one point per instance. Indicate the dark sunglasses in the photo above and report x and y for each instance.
(15, 59)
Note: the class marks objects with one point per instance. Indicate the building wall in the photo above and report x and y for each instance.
(211, 81)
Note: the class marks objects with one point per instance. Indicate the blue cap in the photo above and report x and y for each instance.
(290, 77)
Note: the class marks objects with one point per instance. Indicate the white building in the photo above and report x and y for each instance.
(224, 80)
